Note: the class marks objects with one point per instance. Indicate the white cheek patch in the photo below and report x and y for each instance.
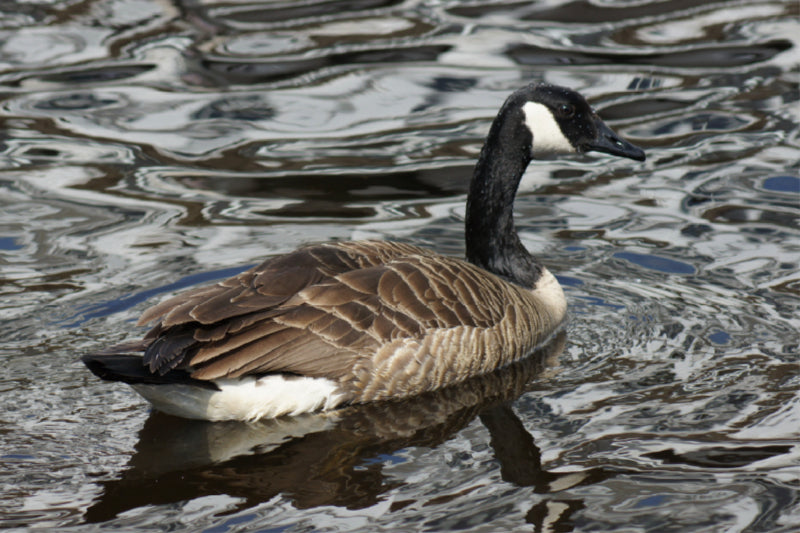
(547, 134)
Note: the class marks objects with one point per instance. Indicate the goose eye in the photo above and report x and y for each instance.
(566, 110)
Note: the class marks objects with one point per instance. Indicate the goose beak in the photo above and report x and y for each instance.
(607, 141)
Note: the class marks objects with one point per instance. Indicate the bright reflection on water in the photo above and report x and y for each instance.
(151, 146)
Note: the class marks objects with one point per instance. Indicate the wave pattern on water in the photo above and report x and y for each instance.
(149, 146)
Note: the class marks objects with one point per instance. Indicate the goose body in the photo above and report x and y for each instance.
(352, 322)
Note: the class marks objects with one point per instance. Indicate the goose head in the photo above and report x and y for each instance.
(561, 121)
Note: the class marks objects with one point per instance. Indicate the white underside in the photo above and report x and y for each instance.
(245, 399)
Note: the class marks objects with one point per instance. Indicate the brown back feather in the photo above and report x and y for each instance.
(320, 311)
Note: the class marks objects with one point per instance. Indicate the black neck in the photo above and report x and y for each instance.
(492, 240)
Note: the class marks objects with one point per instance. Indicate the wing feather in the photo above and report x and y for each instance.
(320, 311)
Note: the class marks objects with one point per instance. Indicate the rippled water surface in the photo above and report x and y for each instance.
(148, 146)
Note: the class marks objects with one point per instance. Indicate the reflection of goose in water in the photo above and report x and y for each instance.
(353, 322)
(328, 458)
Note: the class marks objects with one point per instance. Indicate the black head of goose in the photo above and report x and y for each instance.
(352, 322)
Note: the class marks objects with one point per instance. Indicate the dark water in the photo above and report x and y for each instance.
(149, 146)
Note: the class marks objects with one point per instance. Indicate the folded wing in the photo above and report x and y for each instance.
(321, 311)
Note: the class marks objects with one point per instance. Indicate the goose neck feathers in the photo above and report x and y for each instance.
(491, 238)
(538, 118)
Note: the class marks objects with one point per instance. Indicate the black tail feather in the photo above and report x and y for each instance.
(131, 370)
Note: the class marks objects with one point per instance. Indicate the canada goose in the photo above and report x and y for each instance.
(352, 322)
